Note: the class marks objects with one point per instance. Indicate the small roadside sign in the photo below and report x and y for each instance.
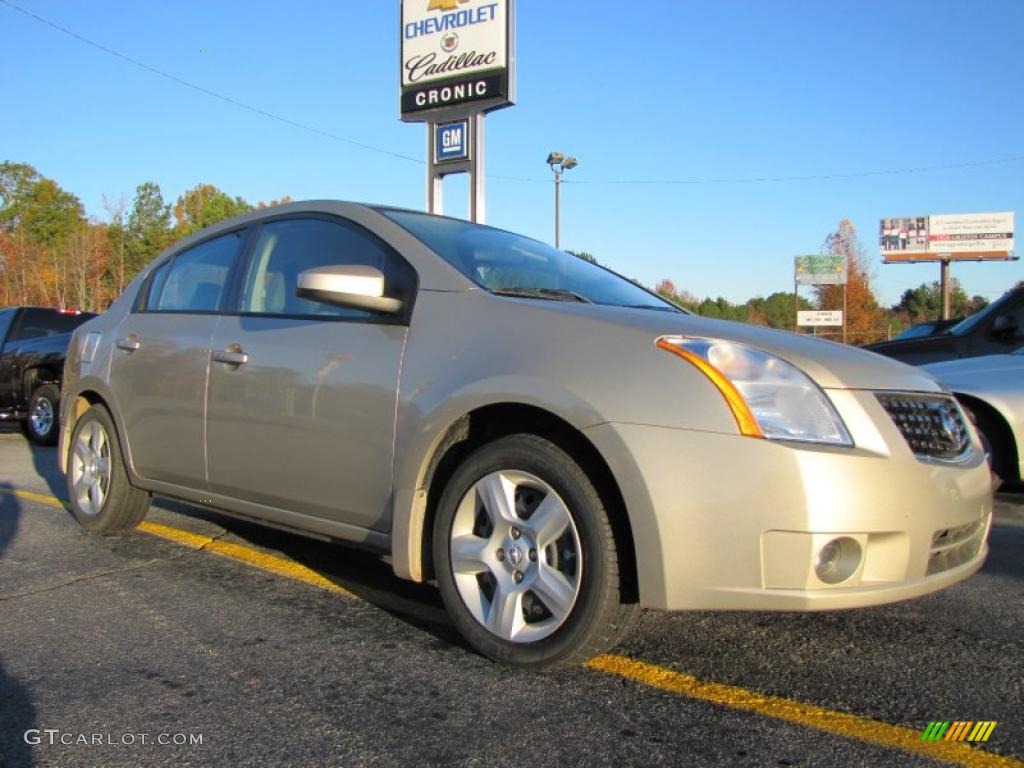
(452, 141)
(830, 317)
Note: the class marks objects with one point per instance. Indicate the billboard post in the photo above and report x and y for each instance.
(456, 64)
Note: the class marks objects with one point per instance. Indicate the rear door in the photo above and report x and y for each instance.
(7, 383)
(162, 356)
(302, 394)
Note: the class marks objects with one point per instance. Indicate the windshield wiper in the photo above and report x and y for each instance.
(551, 294)
(657, 307)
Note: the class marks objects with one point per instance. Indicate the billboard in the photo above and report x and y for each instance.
(820, 269)
(455, 55)
(962, 236)
(970, 232)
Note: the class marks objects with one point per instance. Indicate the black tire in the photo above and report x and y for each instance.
(42, 425)
(996, 445)
(122, 506)
(598, 618)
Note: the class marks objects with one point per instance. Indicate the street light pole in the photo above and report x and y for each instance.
(559, 164)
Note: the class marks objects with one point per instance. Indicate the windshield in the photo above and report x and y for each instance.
(965, 325)
(510, 264)
(916, 331)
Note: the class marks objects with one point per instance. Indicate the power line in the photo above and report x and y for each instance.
(811, 177)
(592, 182)
(207, 91)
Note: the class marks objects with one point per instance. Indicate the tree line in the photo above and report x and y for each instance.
(866, 319)
(53, 254)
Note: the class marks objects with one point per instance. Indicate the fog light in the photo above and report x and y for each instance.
(838, 560)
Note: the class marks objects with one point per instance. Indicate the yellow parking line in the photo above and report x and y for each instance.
(733, 697)
(256, 559)
(261, 560)
(39, 498)
(839, 723)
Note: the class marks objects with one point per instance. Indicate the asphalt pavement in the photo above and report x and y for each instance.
(203, 641)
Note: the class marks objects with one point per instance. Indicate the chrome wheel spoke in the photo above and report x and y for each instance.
(83, 454)
(95, 494)
(554, 590)
(81, 484)
(469, 554)
(98, 441)
(505, 617)
(497, 494)
(549, 521)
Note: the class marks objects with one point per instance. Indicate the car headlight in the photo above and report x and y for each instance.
(768, 396)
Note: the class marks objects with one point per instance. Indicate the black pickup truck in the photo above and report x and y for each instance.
(998, 329)
(33, 344)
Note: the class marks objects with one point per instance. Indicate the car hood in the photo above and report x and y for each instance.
(977, 368)
(831, 365)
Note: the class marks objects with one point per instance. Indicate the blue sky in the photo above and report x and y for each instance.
(638, 91)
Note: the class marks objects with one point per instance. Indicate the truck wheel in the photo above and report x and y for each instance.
(525, 557)
(42, 425)
(102, 498)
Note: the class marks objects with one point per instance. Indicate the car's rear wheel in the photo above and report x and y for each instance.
(525, 556)
(103, 499)
(41, 426)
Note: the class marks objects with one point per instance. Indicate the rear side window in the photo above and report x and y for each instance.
(194, 281)
(6, 316)
(287, 247)
(37, 323)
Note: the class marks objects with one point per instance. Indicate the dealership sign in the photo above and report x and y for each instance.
(820, 269)
(455, 54)
(962, 236)
(824, 317)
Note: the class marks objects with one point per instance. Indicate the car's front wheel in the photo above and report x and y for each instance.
(525, 556)
(103, 499)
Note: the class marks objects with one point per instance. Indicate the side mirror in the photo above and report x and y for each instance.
(1004, 325)
(348, 285)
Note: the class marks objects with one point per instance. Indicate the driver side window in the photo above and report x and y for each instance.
(287, 248)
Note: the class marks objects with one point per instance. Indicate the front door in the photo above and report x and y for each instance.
(302, 395)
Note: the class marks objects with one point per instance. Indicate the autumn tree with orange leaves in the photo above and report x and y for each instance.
(865, 319)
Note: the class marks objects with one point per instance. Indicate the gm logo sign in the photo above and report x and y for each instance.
(451, 141)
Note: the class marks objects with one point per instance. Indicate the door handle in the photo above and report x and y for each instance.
(128, 344)
(231, 356)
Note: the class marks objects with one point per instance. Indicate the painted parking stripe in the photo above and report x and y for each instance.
(801, 713)
(733, 697)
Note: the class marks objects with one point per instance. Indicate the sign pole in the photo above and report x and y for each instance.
(844, 313)
(435, 180)
(477, 205)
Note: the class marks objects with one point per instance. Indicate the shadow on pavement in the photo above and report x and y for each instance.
(17, 712)
(362, 573)
(44, 460)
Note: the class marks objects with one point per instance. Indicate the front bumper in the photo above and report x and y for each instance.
(730, 522)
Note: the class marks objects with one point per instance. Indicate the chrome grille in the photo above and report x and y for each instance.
(932, 425)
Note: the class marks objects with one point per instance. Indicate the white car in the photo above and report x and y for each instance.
(992, 389)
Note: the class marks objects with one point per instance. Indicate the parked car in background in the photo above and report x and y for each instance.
(992, 388)
(927, 328)
(552, 443)
(33, 342)
(996, 330)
